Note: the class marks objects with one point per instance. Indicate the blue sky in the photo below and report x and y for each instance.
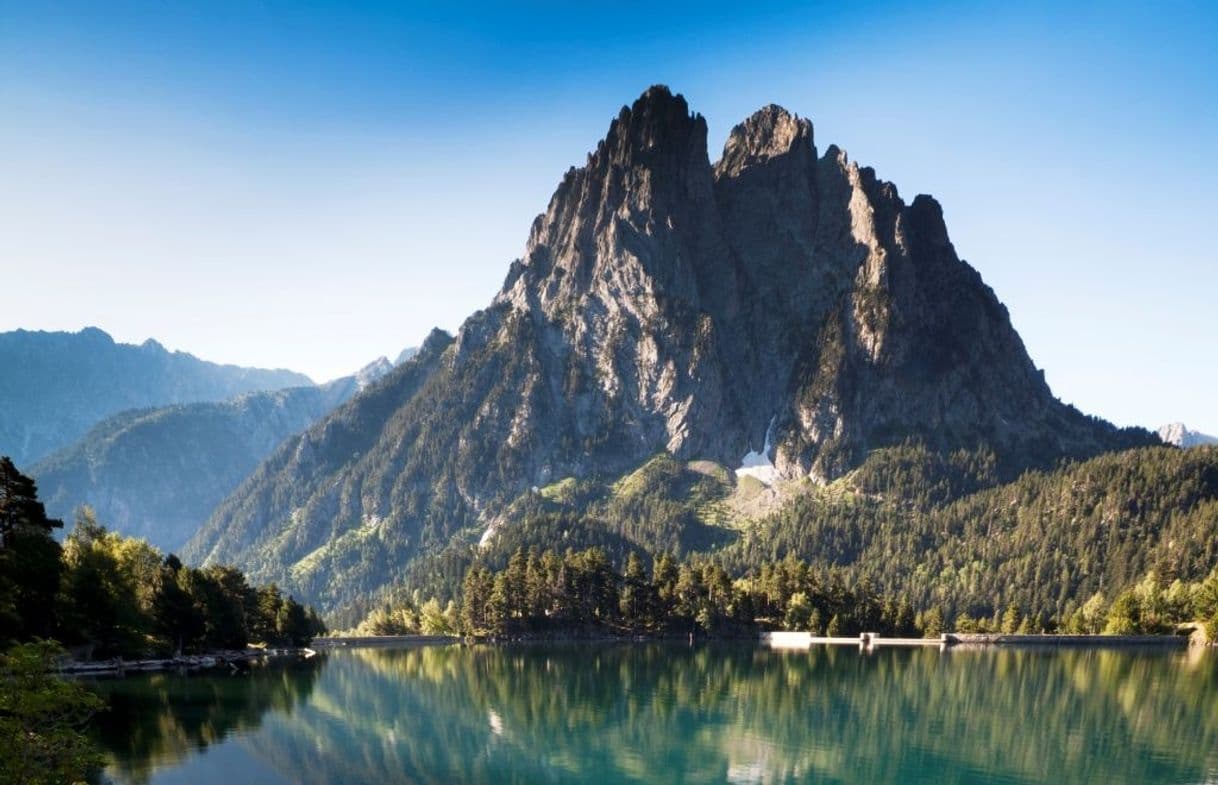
(311, 185)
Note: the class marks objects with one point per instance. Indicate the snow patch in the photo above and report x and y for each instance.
(759, 465)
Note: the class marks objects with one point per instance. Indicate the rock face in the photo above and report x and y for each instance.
(1179, 434)
(56, 386)
(703, 302)
(665, 303)
(159, 473)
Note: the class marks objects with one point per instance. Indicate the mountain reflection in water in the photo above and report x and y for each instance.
(666, 713)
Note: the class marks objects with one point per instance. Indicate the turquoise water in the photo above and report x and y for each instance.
(669, 713)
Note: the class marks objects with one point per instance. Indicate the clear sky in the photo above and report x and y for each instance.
(311, 185)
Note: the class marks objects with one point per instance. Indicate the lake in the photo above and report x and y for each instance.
(674, 713)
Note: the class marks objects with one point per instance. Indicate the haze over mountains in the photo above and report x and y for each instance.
(56, 386)
(780, 306)
(157, 470)
(158, 473)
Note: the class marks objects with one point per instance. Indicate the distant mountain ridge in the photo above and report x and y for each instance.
(778, 311)
(55, 386)
(158, 473)
(1179, 434)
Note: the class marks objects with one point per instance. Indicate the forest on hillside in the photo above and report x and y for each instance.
(580, 593)
(936, 532)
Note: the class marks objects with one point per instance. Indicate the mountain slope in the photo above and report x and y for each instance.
(778, 305)
(159, 473)
(56, 386)
(908, 522)
(1045, 542)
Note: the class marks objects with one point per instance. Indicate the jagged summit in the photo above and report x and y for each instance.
(657, 120)
(778, 308)
(769, 133)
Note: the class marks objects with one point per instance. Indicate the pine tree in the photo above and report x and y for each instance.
(634, 605)
(176, 619)
(29, 559)
(1011, 619)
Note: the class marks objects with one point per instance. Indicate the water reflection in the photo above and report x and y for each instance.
(156, 721)
(666, 714)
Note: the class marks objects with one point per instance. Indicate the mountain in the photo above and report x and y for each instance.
(779, 311)
(1178, 434)
(159, 473)
(373, 371)
(56, 386)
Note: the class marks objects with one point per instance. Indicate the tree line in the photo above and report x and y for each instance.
(106, 595)
(582, 592)
(545, 592)
(103, 595)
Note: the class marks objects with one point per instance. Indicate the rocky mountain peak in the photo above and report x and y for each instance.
(777, 313)
(769, 133)
(775, 292)
(658, 121)
(925, 218)
(631, 228)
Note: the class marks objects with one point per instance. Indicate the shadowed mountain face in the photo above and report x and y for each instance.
(778, 303)
(56, 386)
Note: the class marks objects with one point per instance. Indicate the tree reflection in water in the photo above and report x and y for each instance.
(661, 713)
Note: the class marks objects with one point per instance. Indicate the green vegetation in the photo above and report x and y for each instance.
(105, 595)
(29, 559)
(580, 593)
(664, 505)
(1052, 551)
(41, 719)
(1045, 543)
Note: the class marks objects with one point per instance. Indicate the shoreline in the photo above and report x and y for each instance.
(191, 662)
(795, 640)
(383, 640)
(777, 640)
(952, 640)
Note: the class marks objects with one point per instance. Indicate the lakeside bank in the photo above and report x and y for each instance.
(868, 640)
(234, 659)
(237, 660)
